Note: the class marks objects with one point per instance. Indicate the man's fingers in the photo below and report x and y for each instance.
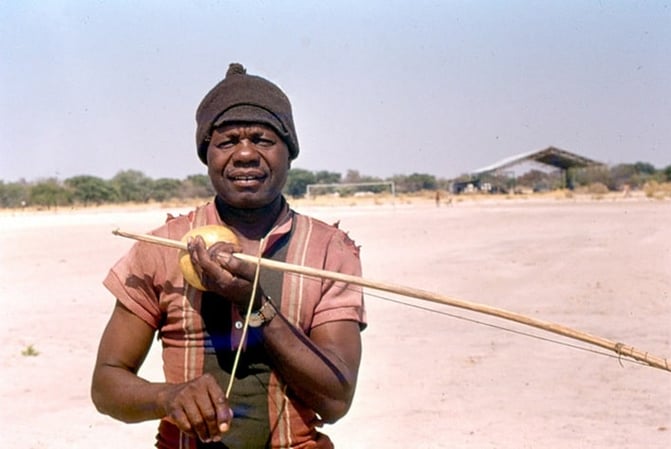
(234, 265)
(218, 413)
(208, 268)
(224, 414)
(201, 409)
(180, 418)
(208, 428)
(225, 247)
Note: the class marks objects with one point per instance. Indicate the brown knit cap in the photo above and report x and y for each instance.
(248, 99)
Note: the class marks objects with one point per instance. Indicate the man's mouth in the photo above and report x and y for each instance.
(247, 179)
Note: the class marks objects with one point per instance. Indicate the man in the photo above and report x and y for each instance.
(300, 361)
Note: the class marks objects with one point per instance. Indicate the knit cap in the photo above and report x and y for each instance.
(244, 98)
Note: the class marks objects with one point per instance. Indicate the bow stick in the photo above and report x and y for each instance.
(619, 348)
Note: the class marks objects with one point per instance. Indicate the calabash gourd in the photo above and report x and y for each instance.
(211, 234)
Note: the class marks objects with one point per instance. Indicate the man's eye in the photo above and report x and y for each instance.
(262, 141)
(226, 143)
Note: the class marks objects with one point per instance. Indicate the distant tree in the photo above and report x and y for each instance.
(164, 189)
(14, 194)
(352, 176)
(618, 176)
(196, 186)
(667, 173)
(421, 181)
(327, 177)
(540, 181)
(531, 178)
(644, 168)
(132, 186)
(624, 174)
(443, 183)
(414, 182)
(87, 189)
(590, 175)
(498, 183)
(297, 182)
(49, 193)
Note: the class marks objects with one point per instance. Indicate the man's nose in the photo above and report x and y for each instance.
(245, 151)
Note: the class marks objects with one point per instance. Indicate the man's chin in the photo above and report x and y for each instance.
(249, 200)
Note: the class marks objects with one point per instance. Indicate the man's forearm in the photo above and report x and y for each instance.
(123, 395)
(317, 375)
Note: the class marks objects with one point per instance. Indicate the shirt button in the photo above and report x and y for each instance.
(238, 324)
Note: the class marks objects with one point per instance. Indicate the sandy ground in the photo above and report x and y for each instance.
(438, 378)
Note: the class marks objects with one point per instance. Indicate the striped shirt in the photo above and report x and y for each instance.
(200, 332)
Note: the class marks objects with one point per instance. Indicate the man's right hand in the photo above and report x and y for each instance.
(198, 407)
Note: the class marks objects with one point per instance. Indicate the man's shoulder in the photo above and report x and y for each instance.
(315, 224)
(322, 231)
(181, 223)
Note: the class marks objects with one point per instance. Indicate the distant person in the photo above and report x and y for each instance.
(300, 363)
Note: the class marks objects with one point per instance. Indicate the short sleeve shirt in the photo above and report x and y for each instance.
(200, 333)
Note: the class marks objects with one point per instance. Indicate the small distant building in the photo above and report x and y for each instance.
(549, 160)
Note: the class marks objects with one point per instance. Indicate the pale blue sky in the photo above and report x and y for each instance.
(383, 87)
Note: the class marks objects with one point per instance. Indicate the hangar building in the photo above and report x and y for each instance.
(548, 160)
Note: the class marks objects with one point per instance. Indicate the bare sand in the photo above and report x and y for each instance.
(443, 378)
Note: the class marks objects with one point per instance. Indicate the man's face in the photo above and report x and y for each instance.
(247, 164)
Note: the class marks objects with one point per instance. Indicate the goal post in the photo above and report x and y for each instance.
(358, 186)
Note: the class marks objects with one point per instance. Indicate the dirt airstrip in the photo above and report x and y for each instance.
(432, 376)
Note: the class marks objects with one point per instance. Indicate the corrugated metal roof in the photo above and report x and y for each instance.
(552, 156)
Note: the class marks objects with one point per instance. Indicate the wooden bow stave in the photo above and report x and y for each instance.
(619, 348)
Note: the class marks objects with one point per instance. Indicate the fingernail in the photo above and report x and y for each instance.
(223, 427)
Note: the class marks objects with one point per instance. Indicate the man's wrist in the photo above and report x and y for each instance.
(264, 314)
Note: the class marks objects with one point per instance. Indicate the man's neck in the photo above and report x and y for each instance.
(252, 224)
